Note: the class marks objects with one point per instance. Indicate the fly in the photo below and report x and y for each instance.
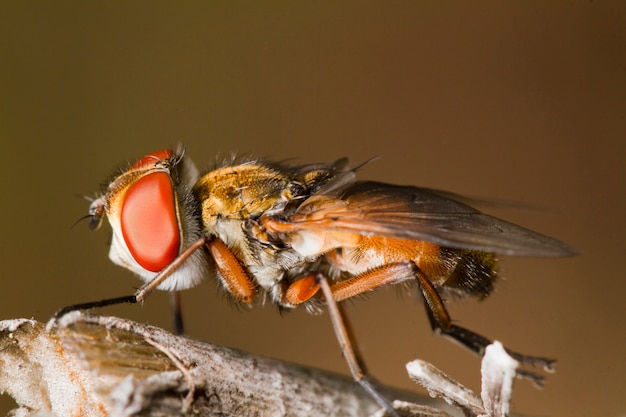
(310, 236)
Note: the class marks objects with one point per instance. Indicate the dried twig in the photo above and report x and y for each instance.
(95, 366)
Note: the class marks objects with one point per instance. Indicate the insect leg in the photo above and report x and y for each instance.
(374, 278)
(232, 274)
(357, 369)
(177, 312)
(300, 291)
(305, 288)
(441, 323)
(144, 291)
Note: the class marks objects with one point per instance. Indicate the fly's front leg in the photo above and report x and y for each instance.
(144, 291)
(441, 323)
(232, 274)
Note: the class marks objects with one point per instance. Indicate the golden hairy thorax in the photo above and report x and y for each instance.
(243, 191)
(232, 198)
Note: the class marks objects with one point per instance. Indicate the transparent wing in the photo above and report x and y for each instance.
(416, 213)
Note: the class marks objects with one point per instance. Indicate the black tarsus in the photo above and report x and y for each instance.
(477, 344)
(440, 322)
(130, 299)
(177, 313)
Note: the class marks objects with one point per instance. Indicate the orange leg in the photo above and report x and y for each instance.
(305, 288)
(437, 313)
(233, 275)
(373, 279)
(301, 290)
(355, 364)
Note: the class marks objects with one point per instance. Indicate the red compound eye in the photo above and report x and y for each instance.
(149, 222)
(153, 158)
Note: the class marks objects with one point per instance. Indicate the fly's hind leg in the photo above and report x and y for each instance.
(441, 323)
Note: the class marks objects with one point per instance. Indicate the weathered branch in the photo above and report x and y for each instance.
(95, 366)
(86, 365)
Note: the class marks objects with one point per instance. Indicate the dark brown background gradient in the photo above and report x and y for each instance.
(522, 102)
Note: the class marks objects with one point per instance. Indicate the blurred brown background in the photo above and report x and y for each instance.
(521, 101)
